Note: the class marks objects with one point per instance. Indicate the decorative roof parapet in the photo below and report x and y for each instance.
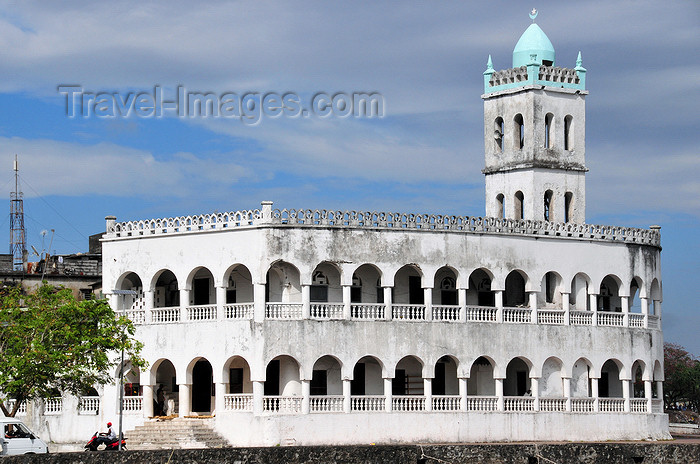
(376, 220)
(548, 76)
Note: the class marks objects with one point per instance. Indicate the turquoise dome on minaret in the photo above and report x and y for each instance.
(533, 42)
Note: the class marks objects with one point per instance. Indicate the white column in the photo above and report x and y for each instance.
(626, 394)
(148, 296)
(463, 393)
(184, 303)
(114, 302)
(535, 391)
(428, 393)
(220, 302)
(647, 394)
(428, 301)
(462, 299)
(305, 396)
(347, 404)
(387, 303)
(258, 392)
(184, 400)
(567, 392)
(657, 308)
(305, 301)
(566, 307)
(220, 391)
(594, 394)
(660, 393)
(625, 303)
(346, 301)
(645, 310)
(498, 297)
(147, 404)
(387, 393)
(593, 299)
(259, 305)
(499, 394)
(533, 306)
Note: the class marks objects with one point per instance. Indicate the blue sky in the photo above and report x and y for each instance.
(424, 155)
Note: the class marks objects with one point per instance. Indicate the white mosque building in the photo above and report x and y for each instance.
(356, 327)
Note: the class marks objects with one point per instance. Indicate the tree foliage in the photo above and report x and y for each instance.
(51, 342)
(681, 377)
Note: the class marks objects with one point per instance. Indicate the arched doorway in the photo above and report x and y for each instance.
(202, 387)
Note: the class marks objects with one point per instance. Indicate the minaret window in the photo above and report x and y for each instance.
(519, 131)
(568, 201)
(548, 119)
(568, 133)
(548, 205)
(519, 205)
(499, 206)
(498, 134)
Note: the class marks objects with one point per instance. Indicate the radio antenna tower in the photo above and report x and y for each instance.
(18, 235)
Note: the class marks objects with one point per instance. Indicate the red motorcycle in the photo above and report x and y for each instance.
(111, 446)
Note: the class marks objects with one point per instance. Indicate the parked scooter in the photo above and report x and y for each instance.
(112, 446)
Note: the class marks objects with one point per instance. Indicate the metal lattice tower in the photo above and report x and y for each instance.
(18, 235)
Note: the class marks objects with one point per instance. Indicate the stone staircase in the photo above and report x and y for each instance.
(175, 434)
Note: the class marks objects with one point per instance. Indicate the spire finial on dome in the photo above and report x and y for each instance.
(533, 14)
(579, 61)
(489, 64)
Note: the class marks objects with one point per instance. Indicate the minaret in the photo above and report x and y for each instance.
(534, 134)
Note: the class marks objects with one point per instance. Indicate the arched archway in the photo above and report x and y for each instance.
(578, 298)
(283, 292)
(238, 385)
(367, 293)
(326, 292)
(202, 386)
(479, 292)
(517, 381)
(130, 293)
(515, 295)
(408, 296)
(445, 385)
(282, 387)
(166, 290)
(581, 379)
(164, 379)
(550, 296)
(201, 281)
(239, 286)
(367, 385)
(609, 296)
(610, 385)
(481, 381)
(326, 385)
(551, 384)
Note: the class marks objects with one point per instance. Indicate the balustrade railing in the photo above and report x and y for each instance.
(22, 410)
(638, 405)
(636, 320)
(326, 310)
(610, 319)
(611, 404)
(408, 312)
(137, 316)
(132, 403)
(283, 310)
(517, 315)
(165, 315)
(550, 317)
(448, 313)
(53, 405)
(239, 310)
(367, 311)
(446, 403)
(518, 403)
(201, 313)
(89, 405)
(582, 404)
(408, 403)
(553, 404)
(581, 317)
(331, 403)
(481, 314)
(482, 403)
(238, 402)
(282, 404)
(368, 403)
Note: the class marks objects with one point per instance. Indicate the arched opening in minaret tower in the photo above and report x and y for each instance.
(519, 131)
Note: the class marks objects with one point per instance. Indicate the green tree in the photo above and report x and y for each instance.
(681, 377)
(50, 341)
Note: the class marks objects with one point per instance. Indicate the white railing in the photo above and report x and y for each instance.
(581, 317)
(239, 310)
(201, 313)
(481, 314)
(238, 402)
(611, 404)
(638, 405)
(282, 404)
(657, 406)
(553, 404)
(610, 319)
(133, 403)
(550, 316)
(654, 321)
(22, 410)
(89, 405)
(482, 403)
(368, 403)
(517, 315)
(636, 320)
(408, 312)
(137, 316)
(518, 403)
(408, 403)
(332, 403)
(446, 403)
(582, 404)
(326, 310)
(165, 315)
(53, 405)
(377, 219)
(283, 310)
(367, 311)
(446, 313)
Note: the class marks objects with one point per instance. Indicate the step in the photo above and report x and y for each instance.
(175, 434)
